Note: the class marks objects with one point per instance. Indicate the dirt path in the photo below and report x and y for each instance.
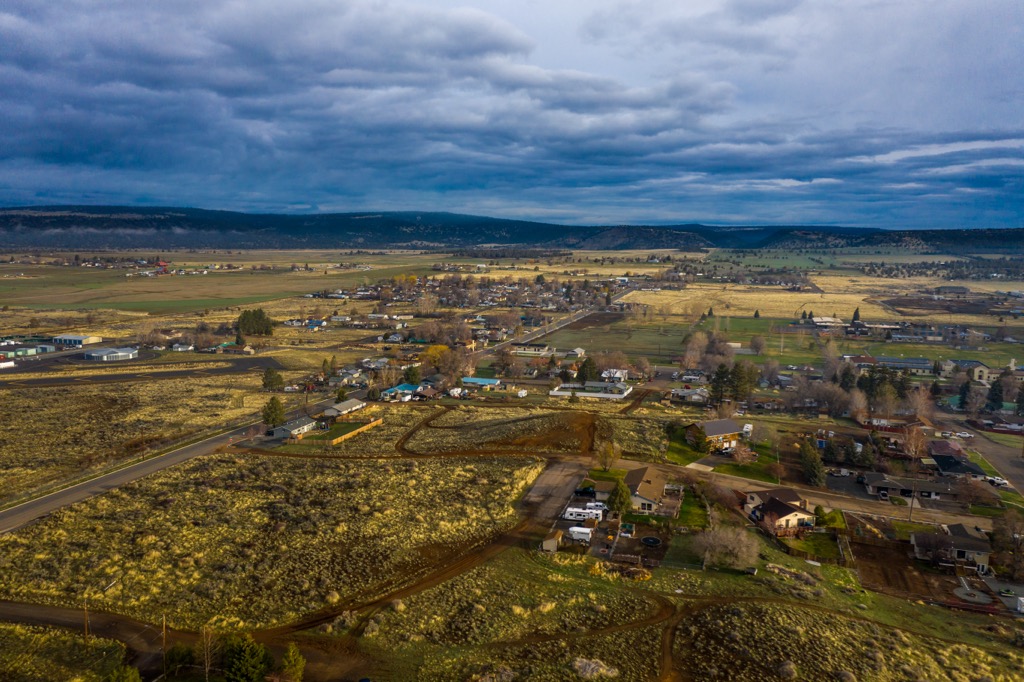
(639, 395)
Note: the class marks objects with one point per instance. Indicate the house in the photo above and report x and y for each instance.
(959, 544)
(436, 382)
(296, 428)
(782, 518)
(427, 393)
(345, 407)
(182, 347)
(698, 396)
(954, 466)
(615, 375)
(402, 392)
(945, 447)
(551, 541)
(647, 487)
(758, 497)
(720, 433)
(927, 489)
(575, 354)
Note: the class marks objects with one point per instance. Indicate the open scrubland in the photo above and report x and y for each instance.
(39, 654)
(78, 428)
(253, 541)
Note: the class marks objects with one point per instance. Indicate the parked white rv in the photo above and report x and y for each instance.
(576, 514)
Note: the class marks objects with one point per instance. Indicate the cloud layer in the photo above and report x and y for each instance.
(588, 111)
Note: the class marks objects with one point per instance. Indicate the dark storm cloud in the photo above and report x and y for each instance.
(734, 111)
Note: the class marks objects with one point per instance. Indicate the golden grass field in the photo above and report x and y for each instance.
(79, 428)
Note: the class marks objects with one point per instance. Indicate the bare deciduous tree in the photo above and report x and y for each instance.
(733, 547)
(608, 453)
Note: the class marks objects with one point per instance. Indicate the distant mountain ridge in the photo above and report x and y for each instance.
(124, 227)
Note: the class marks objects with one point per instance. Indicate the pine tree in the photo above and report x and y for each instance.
(1020, 403)
(711, 312)
(293, 665)
(994, 400)
(245, 660)
(588, 371)
(814, 470)
(125, 673)
(273, 412)
(856, 315)
(757, 314)
(803, 314)
(272, 379)
(620, 499)
(720, 383)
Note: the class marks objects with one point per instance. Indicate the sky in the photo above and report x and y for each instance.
(895, 114)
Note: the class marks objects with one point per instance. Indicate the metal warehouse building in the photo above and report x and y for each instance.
(76, 340)
(112, 354)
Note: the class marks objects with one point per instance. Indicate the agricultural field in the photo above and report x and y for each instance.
(38, 654)
(254, 541)
(77, 429)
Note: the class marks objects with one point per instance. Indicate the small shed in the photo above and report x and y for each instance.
(552, 541)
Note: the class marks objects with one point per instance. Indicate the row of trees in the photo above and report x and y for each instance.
(239, 658)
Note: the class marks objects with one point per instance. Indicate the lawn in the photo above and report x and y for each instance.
(978, 459)
(692, 513)
(905, 528)
(821, 545)
(1006, 439)
(660, 343)
(680, 452)
(985, 510)
(336, 431)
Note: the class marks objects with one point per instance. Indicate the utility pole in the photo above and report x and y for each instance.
(913, 496)
(85, 636)
(163, 644)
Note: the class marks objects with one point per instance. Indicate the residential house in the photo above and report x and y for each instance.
(758, 497)
(960, 544)
(345, 407)
(615, 375)
(435, 381)
(575, 354)
(927, 489)
(296, 428)
(953, 466)
(698, 396)
(720, 433)
(647, 487)
(182, 347)
(781, 517)
(945, 447)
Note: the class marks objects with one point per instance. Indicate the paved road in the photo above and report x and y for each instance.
(1007, 460)
(23, 514)
(149, 372)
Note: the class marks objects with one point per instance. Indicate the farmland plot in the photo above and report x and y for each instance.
(254, 541)
(78, 428)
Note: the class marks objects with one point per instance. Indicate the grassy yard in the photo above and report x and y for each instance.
(757, 470)
(610, 475)
(978, 459)
(984, 510)
(821, 545)
(905, 528)
(339, 429)
(680, 452)
(1006, 439)
(692, 513)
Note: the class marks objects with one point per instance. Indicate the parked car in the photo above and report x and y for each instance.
(1007, 592)
(586, 492)
(964, 434)
(998, 481)
(883, 495)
